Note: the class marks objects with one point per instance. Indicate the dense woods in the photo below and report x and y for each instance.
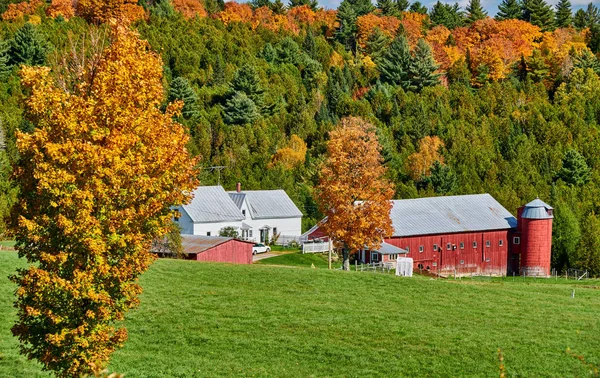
(462, 102)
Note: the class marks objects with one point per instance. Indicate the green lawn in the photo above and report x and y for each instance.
(298, 259)
(199, 319)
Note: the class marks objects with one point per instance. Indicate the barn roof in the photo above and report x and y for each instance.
(451, 214)
(267, 204)
(537, 209)
(212, 204)
(388, 249)
(194, 244)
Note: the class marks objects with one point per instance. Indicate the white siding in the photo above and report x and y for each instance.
(284, 226)
(214, 228)
(185, 222)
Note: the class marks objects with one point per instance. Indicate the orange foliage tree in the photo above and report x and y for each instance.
(189, 8)
(352, 191)
(62, 8)
(234, 12)
(99, 11)
(419, 163)
(17, 11)
(98, 175)
(292, 155)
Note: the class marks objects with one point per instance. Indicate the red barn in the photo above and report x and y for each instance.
(213, 248)
(470, 234)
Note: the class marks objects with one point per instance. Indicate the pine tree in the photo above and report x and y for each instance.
(218, 76)
(269, 54)
(181, 89)
(417, 7)
(538, 13)
(5, 67)
(475, 11)
(575, 170)
(377, 43)
(28, 47)
(563, 17)
(592, 15)
(537, 69)
(443, 179)
(309, 45)
(580, 19)
(278, 7)
(459, 73)
(402, 5)
(239, 109)
(246, 80)
(422, 67)
(261, 3)
(509, 10)
(388, 7)
(587, 60)
(313, 4)
(394, 64)
(447, 15)
(348, 12)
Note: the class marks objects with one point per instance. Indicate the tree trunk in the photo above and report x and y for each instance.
(346, 255)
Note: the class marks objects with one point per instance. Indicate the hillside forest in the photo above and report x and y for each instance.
(462, 102)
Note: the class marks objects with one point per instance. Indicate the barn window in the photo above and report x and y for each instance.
(488, 260)
(374, 256)
(462, 262)
(435, 246)
(407, 249)
(462, 245)
(500, 242)
(208, 233)
(474, 244)
(516, 240)
(488, 243)
(448, 246)
(421, 248)
(393, 257)
(434, 264)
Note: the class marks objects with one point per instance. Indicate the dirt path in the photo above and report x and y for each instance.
(262, 256)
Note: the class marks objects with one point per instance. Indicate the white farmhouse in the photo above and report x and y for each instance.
(257, 215)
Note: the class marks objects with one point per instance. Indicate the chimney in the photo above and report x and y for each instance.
(238, 187)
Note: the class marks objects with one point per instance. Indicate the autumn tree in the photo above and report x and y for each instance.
(352, 190)
(62, 8)
(98, 177)
(100, 11)
(420, 163)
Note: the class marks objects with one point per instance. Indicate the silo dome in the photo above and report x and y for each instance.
(537, 209)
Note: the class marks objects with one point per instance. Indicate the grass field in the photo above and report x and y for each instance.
(319, 260)
(199, 319)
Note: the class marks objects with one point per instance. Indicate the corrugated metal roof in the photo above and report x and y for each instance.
(537, 209)
(388, 249)
(441, 215)
(237, 198)
(212, 204)
(194, 244)
(268, 204)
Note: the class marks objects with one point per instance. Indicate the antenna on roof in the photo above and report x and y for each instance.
(218, 168)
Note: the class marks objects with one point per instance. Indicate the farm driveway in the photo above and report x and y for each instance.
(262, 256)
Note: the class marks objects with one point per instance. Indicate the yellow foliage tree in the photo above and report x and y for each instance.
(419, 163)
(292, 155)
(99, 11)
(18, 10)
(190, 8)
(98, 177)
(352, 191)
(62, 8)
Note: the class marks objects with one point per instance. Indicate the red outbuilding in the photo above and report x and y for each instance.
(213, 248)
(469, 234)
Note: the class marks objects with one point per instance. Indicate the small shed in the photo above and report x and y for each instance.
(211, 248)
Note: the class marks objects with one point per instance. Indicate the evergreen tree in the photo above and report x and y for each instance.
(563, 17)
(443, 179)
(394, 64)
(246, 81)
(5, 67)
(417, 7)
(588, 253)
(475, 11)
(28, 47)
(218, 76)
(348, 12)
(313, 4)
(594, 38)
(309, 45)
(261, 3)
(278, 7)
(538, 13)
(575, 170)
(422, 67)
(587, 60)
(402, 5)
(447, 15)
(566, 235)
(509, 10)
(388, 7)
(537, 69)
(240, 110)
(181, 89)
(521, 69)
(377, 43)
(592, 15)
(580, 19)
(288, 51)
(268, 53)
(459, 73)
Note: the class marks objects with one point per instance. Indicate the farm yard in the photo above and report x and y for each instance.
(210, 319)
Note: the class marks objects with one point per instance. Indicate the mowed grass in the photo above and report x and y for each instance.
(202, 319)
(307, 260)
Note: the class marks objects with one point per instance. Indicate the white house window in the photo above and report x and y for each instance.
(250, 233)
(516, 240)
(500, 242)
(274, 231)
(393, 257)
(488, 243)
(421, 248)
(176, 219)
(462, 245)
(448, 246)
(244, 212)
(475, 244)
(208, 233)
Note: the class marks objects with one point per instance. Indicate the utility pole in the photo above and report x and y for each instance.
(218, 168)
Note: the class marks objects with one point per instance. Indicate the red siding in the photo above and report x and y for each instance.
(232, 251)
(537, 245)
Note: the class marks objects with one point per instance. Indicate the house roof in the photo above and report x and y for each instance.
(537, 209)
(388, 249)
(267, 204)
(212, 204)
(451, 214)
(194, 244)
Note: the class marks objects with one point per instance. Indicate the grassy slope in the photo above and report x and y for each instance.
(298, 259)
(220, 320)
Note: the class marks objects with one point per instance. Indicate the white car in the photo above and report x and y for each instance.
(260, 248)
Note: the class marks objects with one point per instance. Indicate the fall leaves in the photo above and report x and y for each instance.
(99, 175)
